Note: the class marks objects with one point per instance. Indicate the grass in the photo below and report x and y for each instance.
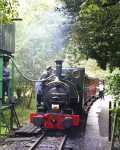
(22, 113)
(5, 119)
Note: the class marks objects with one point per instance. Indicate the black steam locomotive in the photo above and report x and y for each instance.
(64, 95)
(66, 89)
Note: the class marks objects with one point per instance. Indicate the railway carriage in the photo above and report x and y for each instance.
(66, 93)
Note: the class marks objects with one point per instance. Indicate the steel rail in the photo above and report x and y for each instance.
(37, 142)
(62, 143)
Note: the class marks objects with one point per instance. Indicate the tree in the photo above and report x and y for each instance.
(73, 5)
(8, 10)
(97, 32)
(113, 84)
(73, 56)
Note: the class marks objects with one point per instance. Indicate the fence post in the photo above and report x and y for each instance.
(1, 78)
(110, 122)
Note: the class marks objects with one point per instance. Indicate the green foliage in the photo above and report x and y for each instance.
(75, 58)
(4, 121)
(24, 91)
(73, 55)
(8, 10)
(113, 84)
(23, 114)
(113, 88)
(73, 5)
(97, 32)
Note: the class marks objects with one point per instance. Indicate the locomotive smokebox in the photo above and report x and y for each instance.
(58, 68)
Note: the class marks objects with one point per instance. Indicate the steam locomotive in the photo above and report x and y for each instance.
(66, 92)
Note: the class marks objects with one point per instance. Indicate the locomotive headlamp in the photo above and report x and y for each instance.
(55, 107)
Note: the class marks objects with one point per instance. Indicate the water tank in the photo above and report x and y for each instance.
(7, 38)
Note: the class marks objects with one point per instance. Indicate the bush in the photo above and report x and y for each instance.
(113, 84)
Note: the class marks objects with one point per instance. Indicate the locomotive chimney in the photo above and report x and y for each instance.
(58, 68)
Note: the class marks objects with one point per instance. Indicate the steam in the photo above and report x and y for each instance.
(42, 34)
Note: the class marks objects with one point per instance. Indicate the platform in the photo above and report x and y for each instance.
(96, 135)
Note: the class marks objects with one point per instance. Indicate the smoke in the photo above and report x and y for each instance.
(42, 35)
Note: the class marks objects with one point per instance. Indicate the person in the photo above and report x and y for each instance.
(38, 91)
(6, 78)
(39, 85)
(101, 90)
(45, 78)
(47, 74)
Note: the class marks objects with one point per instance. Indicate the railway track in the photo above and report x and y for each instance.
(49, 143)
(43, 142)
